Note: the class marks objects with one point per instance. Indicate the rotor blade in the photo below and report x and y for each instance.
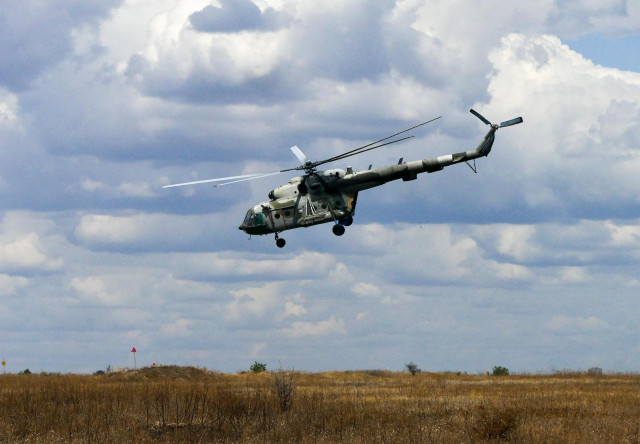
(378, 141)
(511, 122)
(247, 178)
(299, 154)
(344, 156)
(479, 116)
(243, 177)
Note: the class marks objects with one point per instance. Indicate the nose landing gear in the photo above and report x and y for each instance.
(280, 243)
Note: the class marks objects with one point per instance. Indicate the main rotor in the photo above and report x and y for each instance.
(308, 166)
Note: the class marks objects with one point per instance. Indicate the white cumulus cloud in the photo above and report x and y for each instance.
(329, 326)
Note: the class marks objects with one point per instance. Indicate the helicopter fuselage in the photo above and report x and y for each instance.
(313, 199)
(330, 196)
(319, 197)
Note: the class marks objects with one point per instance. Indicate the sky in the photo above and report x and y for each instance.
(533, 263)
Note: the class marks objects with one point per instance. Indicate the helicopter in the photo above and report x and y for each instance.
(318, 197)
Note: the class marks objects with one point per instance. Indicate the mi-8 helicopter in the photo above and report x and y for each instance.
(319, 197)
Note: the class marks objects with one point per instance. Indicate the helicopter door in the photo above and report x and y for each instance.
(282, 218)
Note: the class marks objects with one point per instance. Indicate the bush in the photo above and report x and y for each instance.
(412, 368)
(500, 371)
(284, 387)
(25, 372)
(258, 367)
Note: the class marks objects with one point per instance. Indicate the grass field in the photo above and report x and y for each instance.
(185, 404)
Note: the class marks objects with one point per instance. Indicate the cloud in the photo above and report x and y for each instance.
(331, 326)
(11, 284)
(235, 16)
(179, 328)
(8, 109)
(337, 42)
(109, 229)
(575, 325)
(438, 254)
(94, 289)
(257, 349)
(365, 289)
(136, 190)
(143, 231)
(293, 309)
(574, 274)
(44, 34)
(255, 301)
(564, 173)
(624, 235)
(27, 253)
(121, 98)
(580, 17)
(513, 241)
(91, 185)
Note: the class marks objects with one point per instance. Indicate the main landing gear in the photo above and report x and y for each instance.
(280, 242)
(338, 228)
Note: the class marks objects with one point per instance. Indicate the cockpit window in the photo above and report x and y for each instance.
(252, 219)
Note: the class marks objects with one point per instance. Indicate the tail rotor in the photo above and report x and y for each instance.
(502, 125)
(485, 147)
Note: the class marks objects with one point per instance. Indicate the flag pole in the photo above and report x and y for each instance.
(133, 350)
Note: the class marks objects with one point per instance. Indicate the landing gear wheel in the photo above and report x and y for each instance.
(280, 242)
(338, 229)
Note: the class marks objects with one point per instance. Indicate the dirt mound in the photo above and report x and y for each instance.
(166, 371)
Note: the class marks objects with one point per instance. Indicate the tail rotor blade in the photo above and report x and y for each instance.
(511, 122)
(479, 116)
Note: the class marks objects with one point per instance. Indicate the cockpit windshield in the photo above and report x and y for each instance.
(252, 219)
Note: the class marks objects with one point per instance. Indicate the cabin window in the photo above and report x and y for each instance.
(277, 216)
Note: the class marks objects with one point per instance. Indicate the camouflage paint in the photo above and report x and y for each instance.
(326, 196)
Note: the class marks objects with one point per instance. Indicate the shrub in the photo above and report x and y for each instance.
(595, 371)
(25, 372)
(495, 423)
(412, 368)
(258, 367)
(500, 371)
(284, 387)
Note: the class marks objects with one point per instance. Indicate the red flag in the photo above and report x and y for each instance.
(133, 350)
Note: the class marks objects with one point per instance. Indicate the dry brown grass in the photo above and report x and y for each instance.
(176, 404)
